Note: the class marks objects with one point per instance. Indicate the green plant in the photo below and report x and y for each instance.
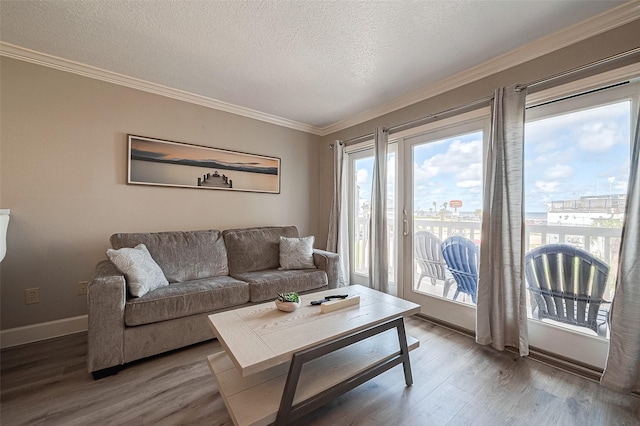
(288, 297)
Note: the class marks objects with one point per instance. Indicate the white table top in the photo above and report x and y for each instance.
(259, 337)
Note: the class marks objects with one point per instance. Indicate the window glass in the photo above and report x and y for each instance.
(447, 202)
(576, 174)
(362, 182)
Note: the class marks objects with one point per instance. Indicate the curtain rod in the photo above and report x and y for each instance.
(545, 83)
(536, 85)
(423, 120)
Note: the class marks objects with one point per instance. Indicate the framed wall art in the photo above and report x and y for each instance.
(167, 163)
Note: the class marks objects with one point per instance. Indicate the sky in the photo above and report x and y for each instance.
(566, 156)
(449, 169)
(174, 150)
(582, 153)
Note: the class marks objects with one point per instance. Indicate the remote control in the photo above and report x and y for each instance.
(326, 299)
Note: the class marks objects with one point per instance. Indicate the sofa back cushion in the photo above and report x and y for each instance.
(182, 256)
(255, 249)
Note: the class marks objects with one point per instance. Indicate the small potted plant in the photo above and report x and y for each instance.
(288, 302)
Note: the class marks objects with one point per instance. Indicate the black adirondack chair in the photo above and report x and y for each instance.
(567, 284)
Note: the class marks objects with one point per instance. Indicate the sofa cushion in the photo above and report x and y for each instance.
(265, 285)
(182, 256)
(296, 253)
(255, 249)
(185, 299)
(142, 272)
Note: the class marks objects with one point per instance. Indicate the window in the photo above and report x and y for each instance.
(361, 170)
(577, 154)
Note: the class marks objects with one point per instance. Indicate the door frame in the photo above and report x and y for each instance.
(452, 312)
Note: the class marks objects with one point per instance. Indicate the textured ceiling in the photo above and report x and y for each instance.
(312, 62)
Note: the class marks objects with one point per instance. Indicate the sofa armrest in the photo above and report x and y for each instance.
(106, 297)
(330, 263)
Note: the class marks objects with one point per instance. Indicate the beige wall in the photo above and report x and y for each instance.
(63, 175)
(604, 45)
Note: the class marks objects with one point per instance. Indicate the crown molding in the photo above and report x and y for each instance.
(598, 24)
(20, 53)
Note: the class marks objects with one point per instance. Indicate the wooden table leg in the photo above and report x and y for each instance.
(288, 412)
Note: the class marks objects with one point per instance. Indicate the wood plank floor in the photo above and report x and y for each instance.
(456, 382)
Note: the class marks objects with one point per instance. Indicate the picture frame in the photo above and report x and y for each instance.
(160, 162)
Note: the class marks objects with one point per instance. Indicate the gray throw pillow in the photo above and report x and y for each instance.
(296, 253)
(142, 272)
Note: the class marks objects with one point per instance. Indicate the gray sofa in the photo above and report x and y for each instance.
(207, 271)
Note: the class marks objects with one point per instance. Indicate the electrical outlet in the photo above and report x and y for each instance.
(82, 288)
(31, 296)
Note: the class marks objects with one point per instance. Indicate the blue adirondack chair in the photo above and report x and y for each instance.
(461, 255)
(567, 284)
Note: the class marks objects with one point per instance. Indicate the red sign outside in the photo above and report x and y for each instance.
(455, 204)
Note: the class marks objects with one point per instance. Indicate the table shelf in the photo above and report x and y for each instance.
(255, 399)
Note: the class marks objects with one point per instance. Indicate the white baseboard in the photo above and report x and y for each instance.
(43, 331)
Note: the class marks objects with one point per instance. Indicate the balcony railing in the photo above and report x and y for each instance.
(603, 243)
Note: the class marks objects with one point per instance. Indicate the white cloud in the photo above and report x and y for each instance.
(438, 191)
(469, 183)
(574, 154)
(472, 171)
(462, 159)
(546, 146)
(599, 137)
(552, 156)
(362, 177)
(455, 173)
(426, 170)
(544, 132)
(595, 130)
(559, 171)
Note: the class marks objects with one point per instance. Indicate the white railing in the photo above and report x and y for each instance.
(604, 243)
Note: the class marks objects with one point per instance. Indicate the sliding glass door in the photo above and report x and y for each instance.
(443, 206)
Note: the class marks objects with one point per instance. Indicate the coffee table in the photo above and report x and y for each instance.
(278, 366)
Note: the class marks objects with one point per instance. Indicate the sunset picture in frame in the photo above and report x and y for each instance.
(166, 163)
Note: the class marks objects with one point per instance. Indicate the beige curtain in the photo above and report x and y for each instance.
(501, 315)
(378, 252)
(338, 238)
(622, 371)
(336, 201)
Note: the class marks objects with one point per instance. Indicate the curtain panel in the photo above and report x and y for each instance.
(378, 251)
(501, 315)
(336, 200)
(622, 370)
(338, 238)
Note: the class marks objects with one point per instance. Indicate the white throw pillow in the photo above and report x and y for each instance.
(142, 272)
(296, 253)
